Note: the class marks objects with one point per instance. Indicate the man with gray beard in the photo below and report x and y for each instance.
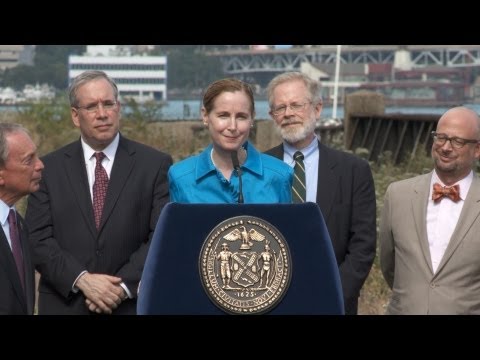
(340, 183)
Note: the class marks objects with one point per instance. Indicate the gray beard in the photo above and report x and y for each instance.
(294, 135)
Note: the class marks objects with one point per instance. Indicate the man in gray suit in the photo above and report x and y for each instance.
(429, 242)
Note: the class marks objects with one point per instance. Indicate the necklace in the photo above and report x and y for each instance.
(211, 157)
(242, 158)
(243, 155)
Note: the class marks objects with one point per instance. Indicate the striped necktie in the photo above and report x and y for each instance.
(299, 191)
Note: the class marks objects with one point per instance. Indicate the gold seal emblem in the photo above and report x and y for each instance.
(245, 265)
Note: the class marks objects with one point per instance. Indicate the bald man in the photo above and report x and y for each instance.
(430, 226)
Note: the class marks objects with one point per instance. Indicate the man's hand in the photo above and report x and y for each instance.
(103, 292)
(94, 308)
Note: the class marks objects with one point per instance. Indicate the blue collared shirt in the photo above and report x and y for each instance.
(197, 180)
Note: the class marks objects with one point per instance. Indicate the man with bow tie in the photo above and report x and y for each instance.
(430, 226)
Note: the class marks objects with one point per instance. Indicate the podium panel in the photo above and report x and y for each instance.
(171, 283)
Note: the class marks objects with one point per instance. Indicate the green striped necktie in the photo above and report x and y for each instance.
(299, 191)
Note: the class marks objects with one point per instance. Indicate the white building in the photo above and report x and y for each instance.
(142, 78)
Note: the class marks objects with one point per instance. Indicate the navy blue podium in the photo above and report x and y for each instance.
(171, 283)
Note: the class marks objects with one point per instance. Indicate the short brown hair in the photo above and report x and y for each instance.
(218, 87)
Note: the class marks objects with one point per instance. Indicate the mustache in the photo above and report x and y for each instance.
(445, 152)
(289, 122)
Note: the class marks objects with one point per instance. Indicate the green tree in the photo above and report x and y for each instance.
(51, 63)
(188, 67)
(50, 66)
(19, 76)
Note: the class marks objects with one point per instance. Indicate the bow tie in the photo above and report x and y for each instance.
(439, 192)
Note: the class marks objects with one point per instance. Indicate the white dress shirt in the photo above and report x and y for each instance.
(442, 218)
(91, 162)
(4, 211)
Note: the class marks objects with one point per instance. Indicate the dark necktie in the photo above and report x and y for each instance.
(16, 246)
(299, 191)
(440, 192)
(99, 188)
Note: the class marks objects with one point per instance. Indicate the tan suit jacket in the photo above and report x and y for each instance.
(405, 256)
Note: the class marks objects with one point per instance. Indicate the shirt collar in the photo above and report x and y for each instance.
(4, 210)
(204, 163)
(254, 160)
(252, 164)
(306, 151)
(109, 151)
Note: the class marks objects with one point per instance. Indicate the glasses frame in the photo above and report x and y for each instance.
(283, 108)
(91, 109)
(455, 141)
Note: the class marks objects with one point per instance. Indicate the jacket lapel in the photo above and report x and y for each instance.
(469, 214)
(419, 209)
(29, 271)
(327, 181)
(8, 263)
(77, 176)
(122, 167)
(277, 151)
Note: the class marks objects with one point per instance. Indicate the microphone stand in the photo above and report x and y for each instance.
(236, 166)
(240, 192)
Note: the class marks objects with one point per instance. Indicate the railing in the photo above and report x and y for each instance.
(401, 134)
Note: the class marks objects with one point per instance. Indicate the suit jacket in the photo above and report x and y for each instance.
(405, 255)
(13, 300)
(346, 197)
(63, 232)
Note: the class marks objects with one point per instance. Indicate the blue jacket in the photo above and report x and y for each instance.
(265, 180)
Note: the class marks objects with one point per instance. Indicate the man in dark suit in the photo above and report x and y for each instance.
(20, 174)
(96, 210)
(340, 183)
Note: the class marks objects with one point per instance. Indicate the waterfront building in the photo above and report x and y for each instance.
(141, 78)
(13, 55)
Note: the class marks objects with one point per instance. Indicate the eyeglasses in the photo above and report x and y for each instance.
(107, 105)
(278, 111)
(456, 142)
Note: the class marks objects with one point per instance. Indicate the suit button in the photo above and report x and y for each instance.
(433, 285)
(98, 252)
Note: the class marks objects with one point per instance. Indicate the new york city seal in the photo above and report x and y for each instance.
(245, 265)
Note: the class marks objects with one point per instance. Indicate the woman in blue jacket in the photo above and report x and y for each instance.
(228, 112)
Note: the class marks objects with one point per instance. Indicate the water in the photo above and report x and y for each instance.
(190, 110)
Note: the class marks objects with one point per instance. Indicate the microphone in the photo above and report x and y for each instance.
(236, 167)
